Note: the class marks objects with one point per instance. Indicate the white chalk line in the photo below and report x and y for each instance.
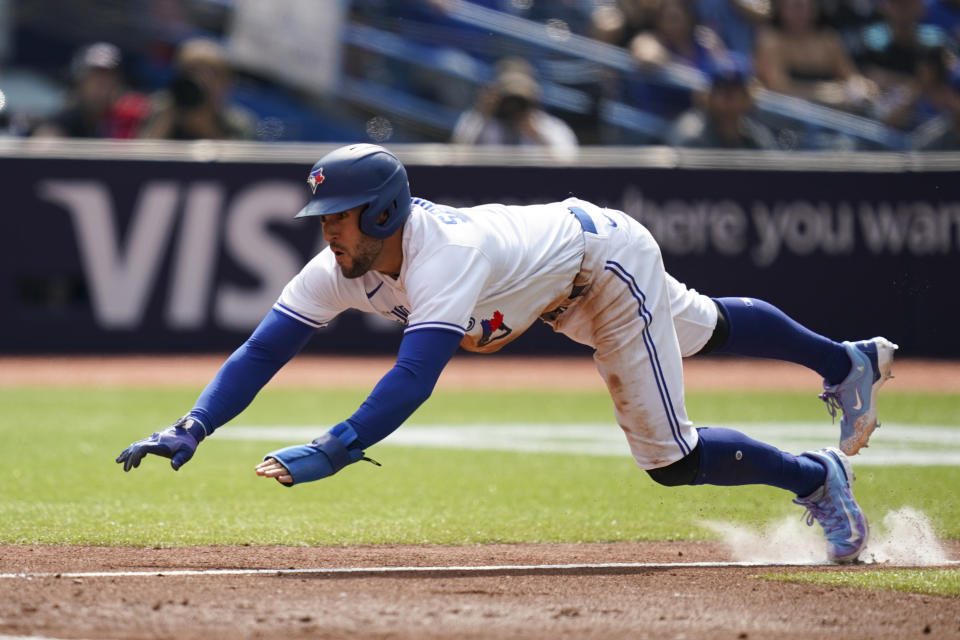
(421, 569)
(891, 444)
(3, 637)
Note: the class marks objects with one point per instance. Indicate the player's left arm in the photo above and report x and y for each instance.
(421, 358)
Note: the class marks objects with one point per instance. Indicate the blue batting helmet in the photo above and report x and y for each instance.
(361, 174)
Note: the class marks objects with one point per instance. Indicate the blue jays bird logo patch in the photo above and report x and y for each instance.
(493, 329)
(315, 178)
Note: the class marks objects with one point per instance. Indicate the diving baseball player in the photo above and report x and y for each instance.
(478, 278)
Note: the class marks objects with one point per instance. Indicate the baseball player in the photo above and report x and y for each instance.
(477, 278)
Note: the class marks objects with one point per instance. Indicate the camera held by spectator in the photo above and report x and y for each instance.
(196, 104)
(508, 112)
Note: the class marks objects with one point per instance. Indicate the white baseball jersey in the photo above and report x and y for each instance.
(488, 272)
(485, 272)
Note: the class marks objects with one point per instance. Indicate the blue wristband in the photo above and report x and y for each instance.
(194, 426)
(321, 458)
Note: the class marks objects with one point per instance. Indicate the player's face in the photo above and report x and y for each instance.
(355, 251)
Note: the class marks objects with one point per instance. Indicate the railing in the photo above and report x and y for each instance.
(460, 155)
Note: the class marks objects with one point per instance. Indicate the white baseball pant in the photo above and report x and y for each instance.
(641, 322)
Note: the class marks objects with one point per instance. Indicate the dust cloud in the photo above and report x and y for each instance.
(905, 537)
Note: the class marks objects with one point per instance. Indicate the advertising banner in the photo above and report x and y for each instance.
(111, 256)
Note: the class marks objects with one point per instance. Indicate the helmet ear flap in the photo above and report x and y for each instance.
(394, 201)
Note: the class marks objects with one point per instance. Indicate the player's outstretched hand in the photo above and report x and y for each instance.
(177, 442)
(270, 468)
(308, 462)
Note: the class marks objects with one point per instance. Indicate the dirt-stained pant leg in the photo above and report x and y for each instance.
(626, 315)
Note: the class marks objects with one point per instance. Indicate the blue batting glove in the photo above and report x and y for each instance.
(177, 442)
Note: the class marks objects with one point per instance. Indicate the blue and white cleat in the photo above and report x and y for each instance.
(833, 506)
(856, 396)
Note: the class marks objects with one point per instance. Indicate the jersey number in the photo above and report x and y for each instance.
(448, 215)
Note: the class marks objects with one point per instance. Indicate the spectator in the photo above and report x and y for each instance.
(195, 105)
(723, 122)
(928, 92)
(888, 51)
(800, 56)
(508, 112)
(675, 39)
(98, 105)
(945, 134)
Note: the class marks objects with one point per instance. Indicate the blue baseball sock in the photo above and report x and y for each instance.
(729, 458)
(761, 330)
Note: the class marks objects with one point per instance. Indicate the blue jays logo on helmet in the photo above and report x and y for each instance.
(315, 178)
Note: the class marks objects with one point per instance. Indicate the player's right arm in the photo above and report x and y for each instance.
(422, 356)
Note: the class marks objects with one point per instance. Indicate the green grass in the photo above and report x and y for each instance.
(934, 582)
(59, 483)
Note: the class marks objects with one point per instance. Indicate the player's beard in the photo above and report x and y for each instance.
(361, 260)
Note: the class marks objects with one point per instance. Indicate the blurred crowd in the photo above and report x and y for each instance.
(893, 62)
(194, 106)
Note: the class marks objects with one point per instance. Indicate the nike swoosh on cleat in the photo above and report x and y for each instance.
(854, 535)
(852, 538)
(374, 292)
(855, 407)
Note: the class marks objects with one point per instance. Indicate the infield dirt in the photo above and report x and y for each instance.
(464, 371)
(662, 602)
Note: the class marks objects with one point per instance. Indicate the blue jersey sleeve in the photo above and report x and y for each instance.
(274, 342)
(422, 356)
